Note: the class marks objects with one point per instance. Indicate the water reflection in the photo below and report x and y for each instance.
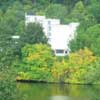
(59, 98)
(59, 92)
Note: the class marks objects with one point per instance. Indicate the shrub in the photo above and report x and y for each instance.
(39, 64)
(37, 61)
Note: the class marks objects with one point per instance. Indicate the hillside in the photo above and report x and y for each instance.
(87, 12)
(31, 58)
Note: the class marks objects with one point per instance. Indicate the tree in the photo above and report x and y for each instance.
(90, 38)
(33, 34)
(78, 12)
(94, 9)
(36, 62)
(56, 11)
(32, 53)
(7, 71)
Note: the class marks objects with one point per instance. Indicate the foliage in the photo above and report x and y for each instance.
(8, 22)
(81, 67)
(32, 53)
(51, 10)
(88, 30)
(81, 63)
(8, 89)
(94, 9)
(78, 12)
(36, 62)
(33, 34)
(90, 38)
(59, 69)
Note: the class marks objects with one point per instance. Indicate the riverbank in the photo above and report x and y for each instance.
(81, 67)
(45, 82)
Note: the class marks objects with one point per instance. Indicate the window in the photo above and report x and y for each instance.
(49, 33)
(49, 28)
(66, 52)
(35, 19)
(49, 22)
(59, 51)
(49, 40)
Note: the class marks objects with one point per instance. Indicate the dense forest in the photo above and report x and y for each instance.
(20, 58)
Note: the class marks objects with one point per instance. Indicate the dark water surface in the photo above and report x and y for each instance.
(42, 91)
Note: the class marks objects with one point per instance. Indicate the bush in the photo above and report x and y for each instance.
(37, 61)
(39, 64)
(82, 67)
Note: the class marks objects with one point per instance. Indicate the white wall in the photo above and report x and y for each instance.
(59, 35)
(48, 23)
(36, 19)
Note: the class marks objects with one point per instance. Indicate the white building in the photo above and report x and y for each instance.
(58, 35)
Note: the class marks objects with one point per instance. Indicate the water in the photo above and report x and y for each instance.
(41, 91)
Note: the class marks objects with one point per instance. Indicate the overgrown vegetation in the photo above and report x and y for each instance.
(38, 64)
(82, 65)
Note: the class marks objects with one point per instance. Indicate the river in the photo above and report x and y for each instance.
(43, 91)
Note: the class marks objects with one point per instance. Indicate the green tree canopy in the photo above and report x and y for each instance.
(56, 11)
(90, 38)
(33, 34)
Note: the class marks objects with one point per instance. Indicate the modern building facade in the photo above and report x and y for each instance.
(59, 36)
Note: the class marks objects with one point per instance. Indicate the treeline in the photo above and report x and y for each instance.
(86, 12)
